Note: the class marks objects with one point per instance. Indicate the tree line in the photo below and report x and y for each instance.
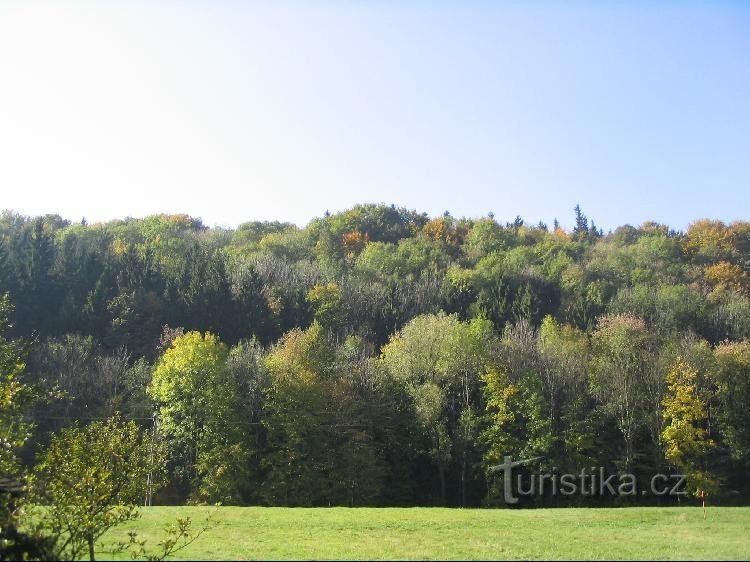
(378, 356)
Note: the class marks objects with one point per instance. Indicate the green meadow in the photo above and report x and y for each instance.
(443, 533)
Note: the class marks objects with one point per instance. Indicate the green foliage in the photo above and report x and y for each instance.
(326, 300)
(360, 341)
(411, 258)
(200, 417)
(732, 379)
(88, 481)
(319, 450)
(686, 441)
(621, 373)
(440, 360)
(380, 223)
(16, 398)
(487, 237)
(537, 401)
(667, 308)
(500, 401)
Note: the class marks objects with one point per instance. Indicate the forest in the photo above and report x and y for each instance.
(382, 357)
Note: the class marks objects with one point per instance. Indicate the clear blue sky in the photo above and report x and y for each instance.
(234, 111)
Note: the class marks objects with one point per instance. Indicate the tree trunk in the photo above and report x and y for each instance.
(463, 479)
(441, 474)
(91, 548)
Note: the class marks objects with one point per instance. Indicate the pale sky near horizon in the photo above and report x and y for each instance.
(234, 111)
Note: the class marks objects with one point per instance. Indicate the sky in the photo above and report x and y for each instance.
(237, 110)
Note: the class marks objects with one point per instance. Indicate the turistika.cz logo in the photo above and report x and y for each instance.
(592, 482)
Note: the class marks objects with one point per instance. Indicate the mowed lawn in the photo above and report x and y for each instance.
(438, 533)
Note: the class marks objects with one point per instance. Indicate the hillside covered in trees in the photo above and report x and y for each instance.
(382, 357)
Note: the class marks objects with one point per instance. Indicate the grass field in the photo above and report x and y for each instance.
(437, 533)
